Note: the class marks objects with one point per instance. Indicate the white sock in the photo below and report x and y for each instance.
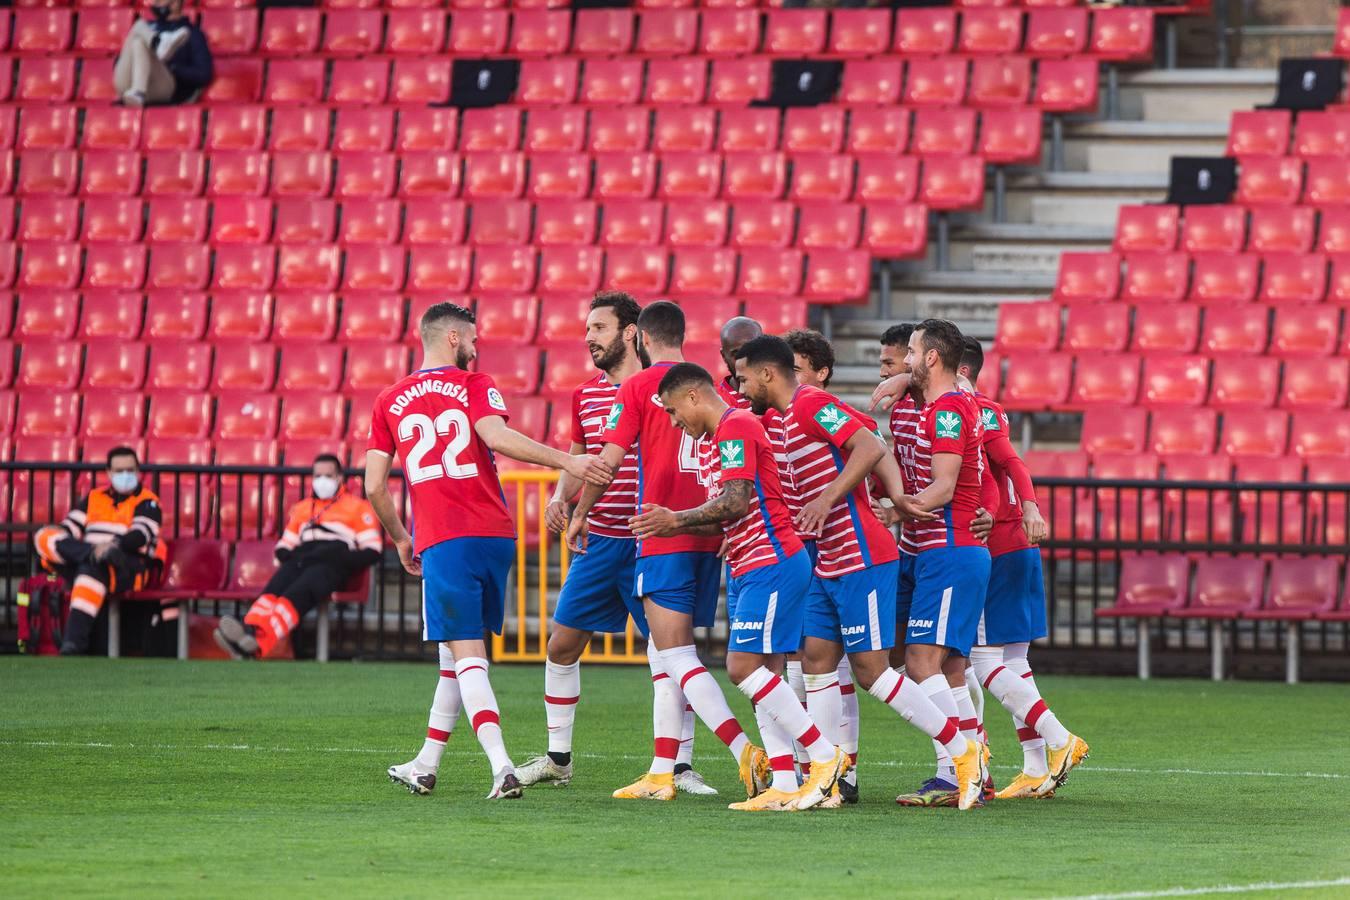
(977, 698)
(965, 711)
(771, 695)
(668, 706)
(848, 725)
(1017, 697)
(917, 708)
(1033, 745)
(825, 706)
(685, 756)
(792, 674)
(445, 706)
(481, 705)
(562, 690)
(704, 694)
(779, 747)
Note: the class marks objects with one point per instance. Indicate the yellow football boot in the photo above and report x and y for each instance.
(823, 780)
(768, 801)
(754, 770)
(651, 786)
(1025, 785)
(1061, 761)
(969, 775)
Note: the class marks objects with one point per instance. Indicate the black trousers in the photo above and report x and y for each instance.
(305, 585)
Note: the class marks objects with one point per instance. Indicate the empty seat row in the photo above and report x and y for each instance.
(1226, 228)
(942, 182)
(826, 276)
(1275, 132)
(1113, 436)
(885, 229)
(1061, 381)
(1166, 328)
(1113, 34)
(1207, 278)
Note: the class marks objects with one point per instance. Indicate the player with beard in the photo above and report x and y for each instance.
(598, 593)
(735, 333)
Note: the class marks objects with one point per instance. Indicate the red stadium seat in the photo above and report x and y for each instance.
(1175, 381)
(508, 319)
(1114, 429)
(478, 32)
(603, 32)
(179, 415)
(1259, 132)
(1010, 136)
(776, 316)
(570, 270)
(515, 369)
(567, 365)
(820, 178)
(816, 129)
(896, 231)
(726, 32)
(837, 276)
(676, 81)
(1097, 327)
(1166, 328)
(1148, 227)
(50, 266)
(505, 270)
(702, 273)
(416, 82)
(641, 271)
(430, 175)
(313, 417)
(438, 269)
(1249, 432)
(500, 223)
(363, 130)
(178, 366)
(692, 176)
(939, 132)
(52, 128)
(245, 417)
(1294, 278)
(1223, 279)
(301, 175)
(999, 82)
(352, 32)
(493, 176)
(115, 415)
(46, 316)
(1088, 277)
(363, 222)
(1214, 229)
(611, 82)
(564, 222)
(1311, 385)
(1321, 133)
(1300, 589)
(244, 267)
(232, 128)
(118, 173)
(49, 219)
(1327, 183)
(49, 366)
(234, 220)
(237, 174)
(871, 83)
(1155, 277)
(749, 131)
(1244, 383)
(1183, 431)
(175, 317)
(114, 367)
(301, 221)
(241, 317)
(1105, 380)
(118, 267)
(295, 81)
(101, 32)
(46, 414)
(1057, 463)
(539, 32)
(887, 179)
(859, 32)
(830, 226)
(229, 32)
(290, 32)
(47, 172)
(619, 130)
(736, 82)
(111, 317)
(245, 367)
(1066, 85)
(1037, 381)
(1280, 229)
(365, 176)
(936, 82)
(762, 176)
(765, 272)
(235, 81)
(304, 268)
(373, 367)
(1274, 180)
(1225, 587)
(990, 31)
(925, 32)
(1122, 35)
(953, 183)
(882, 130)
(1056, 32)
(371, 318)
(696, 223)
(563, 318)
(490, 129)
(188, 267)
(555, 131)
(112, 220)
(45, 80)
(300, 130)
(306, 317)
(1305, 331)
(631, 222)
(794, 32)
(432, 221)
(414, 32)
(41, 31)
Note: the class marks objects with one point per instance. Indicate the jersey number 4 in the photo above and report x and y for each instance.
(452, 424)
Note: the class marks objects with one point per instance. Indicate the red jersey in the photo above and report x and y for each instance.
(427, 419)
(775, 429)
(950, 424)
(1010, 476)
(669, 472)
(818, 425)
(591, 403)
(731, 395)
(764, 535)
(905, 436)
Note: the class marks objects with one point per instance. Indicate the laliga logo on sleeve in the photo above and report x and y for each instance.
(990, 420)
(614, 412)
(948, 424)
(495, 399)
(733, 454)
(831, 418)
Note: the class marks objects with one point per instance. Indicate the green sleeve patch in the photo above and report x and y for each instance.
(990, 420)
(831, 418)
(732, 453)
(615, 412)
(948, 425)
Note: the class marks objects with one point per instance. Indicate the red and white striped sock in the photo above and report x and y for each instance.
(792, 674)
(704, 694)
(1020, 699)
(481, 705)
(562, 690)
(779, 747)
(1033, 745)
(917, 707)
(965, 711)
(825, 705)
(771, 695)
(668, 705)
(685, 756)
(445, 706)
(848, 724)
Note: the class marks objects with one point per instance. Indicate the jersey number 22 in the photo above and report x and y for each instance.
(451, 423)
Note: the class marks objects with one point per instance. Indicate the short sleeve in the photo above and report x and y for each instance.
(948, 427)
(738, 450)
(819, 415)
(623, 424)
(578, 429)
(484, 398)
(381, 439)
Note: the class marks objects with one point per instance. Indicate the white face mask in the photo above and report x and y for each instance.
(324, 486)
(124, 482)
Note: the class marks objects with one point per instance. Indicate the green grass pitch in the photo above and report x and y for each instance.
(159, 778)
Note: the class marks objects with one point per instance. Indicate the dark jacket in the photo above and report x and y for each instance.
(190, 64)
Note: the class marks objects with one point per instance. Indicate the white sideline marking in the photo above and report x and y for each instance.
(867, 761)
(1218, 889)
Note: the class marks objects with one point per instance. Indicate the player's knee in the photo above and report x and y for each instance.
(868, 667)
(565, 645)
(986, 661)
(741, 665)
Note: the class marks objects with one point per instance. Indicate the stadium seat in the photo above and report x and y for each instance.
(229, 32)
(245, 367)
(490, 129)
(371, 318)
(1224, 588)
(1273, 180)
(696, 223)
(736, 82)
(878, 130)
(1300, 590)
(1315, 384)
(939, 132)
(1180, 431)
(563, 318)
(426, 130)
(794, 32)
(555, 131)
(831, 226)
(439, 269)
(564, 222)
(51, 128)
(100, 32)
(1096, 327)
(1010, 136)
(676, 81)
(178, 366)
(952, 183)
(493, 176)
(1165, 328)
(1057, 463)
(1088, 277)
(50, 266)
(49, 366)
(245, 417)
(1155, 277)
(1037, 381)
(303, 317)
(167, 174)
(233, 128)
(374, 366)
(118, 267)
(1151, 585)
(1224, 280)
(1175, 381)
(1214, 229)
(1027, 327)
(432, 174)
(1254, 432)
(235, 81)
(234, 220)
(871, 83)
(990, 31)
(414, 32)
(300, 130)
(179, 415)
(570, 270)
(500, 223)
(175, 316)
(925, 32)
(110, 316)
(559, 176)
(725, 32)
(836, 276)
(308, 221)
(936, 82)
(1263, 132)
(295, 81)
(431, 221)
(1105, 380)
(49, 219)
(1114, 429)
(112, 220)
(702, 272)
(603, 32)
(505, 270)
(243, 267)
(1066, 85)
(313, 417)
(46, 316)
(48, 172)
(515, 369)
(1305, 331)
(1056, 32)
(290, 32)
(40, 30)
(859, 32)
(1147, 228)
(762, 176)
(1320, 434)
(363, 130)
(237, 174)
(358, 82)
(1293, 278)
(301, 175)
(505, 319)
(117, 173)
(887, 179)
(641, 271)
(115, 414)
(616, 82)
(895, 231)
(813, 129)
(416, 82)
(46, 414)
(1321, 133)
(619, 130)
(1122, 35)
(765, 272)
(693, 176)
(44, 80)
(1281, 229)
(1239, 383)
(1327, 183)
(999, 82)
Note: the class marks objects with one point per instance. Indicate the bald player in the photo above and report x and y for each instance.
(735, 333)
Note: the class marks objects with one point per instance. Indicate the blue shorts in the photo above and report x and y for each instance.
(949, 588)
(770, 607)
(731, 590)
(856, 610)
(684, 582)
(1014, 605)
(464, 587)
(904, 592)
(812, 553)
(598, 593)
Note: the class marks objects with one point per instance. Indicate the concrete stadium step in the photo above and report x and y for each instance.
(1080, 198)
(1125, 147)
(1194, 95)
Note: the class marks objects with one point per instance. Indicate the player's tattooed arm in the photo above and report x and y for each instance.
(730, 505)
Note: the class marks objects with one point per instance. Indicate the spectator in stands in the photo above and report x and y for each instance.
(814, 355)
(330, 536)
(104, 545)
(164, 61)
